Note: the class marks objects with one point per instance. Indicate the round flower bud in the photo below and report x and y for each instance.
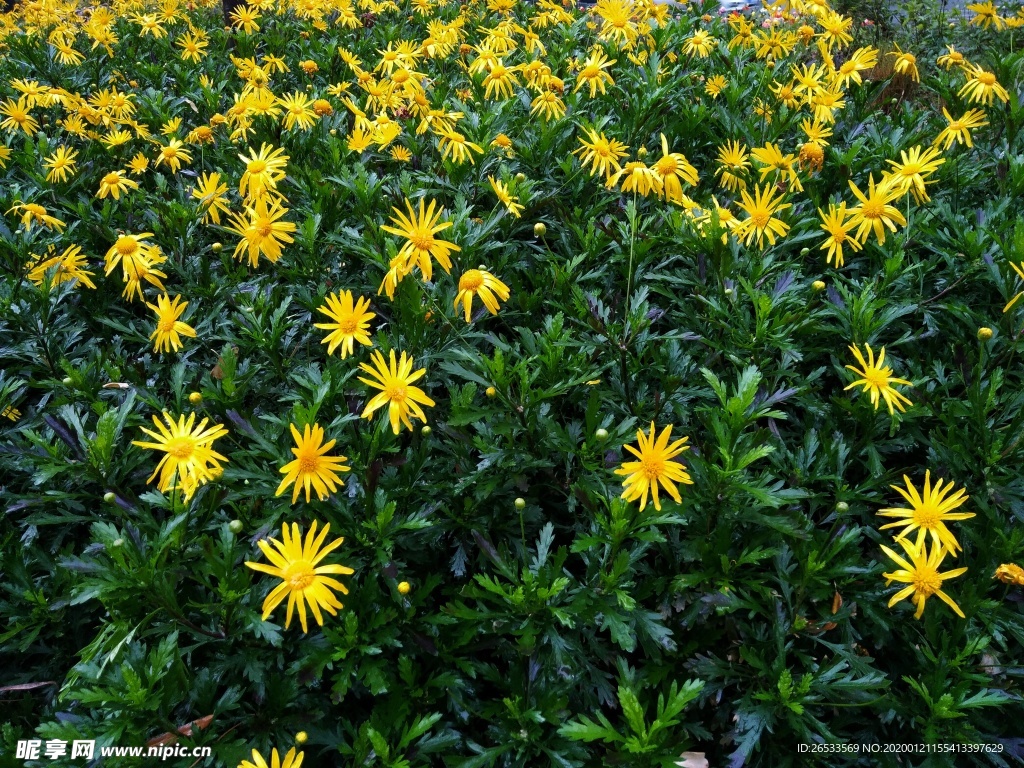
(426, 430)
(728, 291)
(842, 507)
(818, 286)
(520, 503)
(539, 229)
(404, 587)
(804, 251)
(235, 526)
(109, 497)
(491, 392)
(195, 397)
(217, 247)
(301, 737)
(984, 333)
(641, 153)
(601, 434)
(117, 542)
(68, 381)
(520, 177)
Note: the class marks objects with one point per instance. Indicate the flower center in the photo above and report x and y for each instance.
(264, 228)
(395, 393)
(986, 78)
(471, 281)
(422, 241)
(927, 516)
(180, 448)
(872, 209)
(652, 468)
(112, 179)
(166, 325)
(926, 581)
(760, 219)
(876, 378)
(257, 166)
(348, 325)
(126, 246)
(299, 575)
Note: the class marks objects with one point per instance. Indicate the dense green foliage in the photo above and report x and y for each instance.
(578, 630)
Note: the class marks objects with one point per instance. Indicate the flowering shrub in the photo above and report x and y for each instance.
(510, 384)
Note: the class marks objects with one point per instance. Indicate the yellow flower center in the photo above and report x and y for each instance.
(760, 219)
(666, 166)
(126, 246)
(926, 581)
(873, 209)
(348, 324)
(180, 448)
(590, 71)
(299, 575)
(112, 179)
(471, 281)
(264, 227)
(422, 240)
(927, 516)
(166, 325)
(652, 468)
(169, 153)
(257, 166)
(876, 378)
(35, 210)
(395, 393)
(987, 78)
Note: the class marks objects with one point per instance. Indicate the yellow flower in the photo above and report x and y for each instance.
(173, 155)
(906, 63)
(193, 47)
(32, 213)
(1010, 573)
(114, 183)
(953, 58)
(70, 265)
(510, 201)
(61, 163)
(922, 575)
(672, 167)
(169, 328)
(874, 212)
(188, 453)
(981, 87)
(479, 282)
(303, 580)
(311, 468)
(732, 162)
(837, 226)
(959, 130)
(602, 153)
(212, 196)
(877, 379)
(637, 177)
(298, 110)
(928, 512)
(700, 43)
(548, 106)
(455, 144)
(261, 231)
(715, 85)
(909, 175)
(986, 15)
(138, 164)
(17, 115)
(761, 221)
(593, 74)
(245, 17)
(351, 322)
(420, 244)
(655, 466)
(262, 171)
(395, 382)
